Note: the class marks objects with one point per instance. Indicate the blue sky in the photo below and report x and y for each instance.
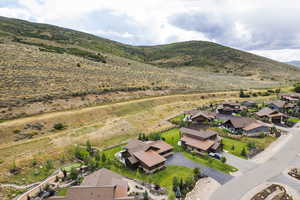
(265, 27)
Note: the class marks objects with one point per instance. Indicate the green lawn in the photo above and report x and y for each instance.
(238, 146)
(110, 153)
(69, 167)
(172, 137)
(211, 162)
(178, 119)
(61, 192)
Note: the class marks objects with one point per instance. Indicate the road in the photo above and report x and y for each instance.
(179, 160)
(270, 170)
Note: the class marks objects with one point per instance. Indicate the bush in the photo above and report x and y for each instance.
(223, 160)
(297, 87)
(59, 126)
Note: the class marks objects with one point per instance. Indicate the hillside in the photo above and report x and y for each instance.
(45, 68)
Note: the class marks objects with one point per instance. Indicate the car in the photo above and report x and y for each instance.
(215, 155)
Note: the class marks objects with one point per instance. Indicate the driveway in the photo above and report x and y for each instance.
(242, 164)
(267, 171)
(179, 160)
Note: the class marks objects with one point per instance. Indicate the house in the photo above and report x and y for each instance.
(230, 108)
(150, 156)
(248, 104)
(100, 185)
(200, 141)
(280, 105)
(202, 117)
(245, 125)
(272, 116)
(291, 98)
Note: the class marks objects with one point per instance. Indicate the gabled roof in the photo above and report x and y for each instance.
(150, 158)
(199, 144)
(161, 146)
(278, 103)
(241, 122)
(135, 145)
(265, 112)
(207, 115)
(203, 134)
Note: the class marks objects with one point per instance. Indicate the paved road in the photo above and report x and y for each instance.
(179, 160)
(283, 159)
(242, 164)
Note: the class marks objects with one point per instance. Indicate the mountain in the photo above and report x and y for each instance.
(294, 62)
(52, 68)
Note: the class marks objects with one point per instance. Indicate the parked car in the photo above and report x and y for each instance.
(215, 155)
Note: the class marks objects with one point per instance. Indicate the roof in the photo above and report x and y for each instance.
(135, 145)
(253, 126)
(191, 112)
(278, 103)
(87, 192)
(203, 134)
(231, 103)
(149, 158)
(103, 177)
(207, 115)
(241, 122)
(199, 144)
(162, 146)
(265, 112)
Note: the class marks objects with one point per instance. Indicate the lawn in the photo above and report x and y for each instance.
(238, 146)
(178, 119)
(61, 192)
(172, 137)
(211, 162)
(69, 167)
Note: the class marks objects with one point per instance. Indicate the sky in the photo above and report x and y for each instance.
(270, 28)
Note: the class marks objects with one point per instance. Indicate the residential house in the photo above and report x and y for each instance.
(100, 185)
(291, 98)
(230, 108)
(245, 125)
(280, 105)
(248, 104)
(149, 156)
(203, 117)
(272, 116)
(200, 141)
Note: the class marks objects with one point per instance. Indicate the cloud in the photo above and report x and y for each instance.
(256, 26)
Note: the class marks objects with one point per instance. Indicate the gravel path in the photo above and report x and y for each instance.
(203, 189)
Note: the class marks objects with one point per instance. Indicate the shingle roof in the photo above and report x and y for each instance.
(241, 122)
(199, 144)
(203, 134)
(265, 112)
(207, 115)
(161, 145)
(150, 158)
(278, 103)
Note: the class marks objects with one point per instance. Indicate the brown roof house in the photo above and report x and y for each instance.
(230, 108)
(202, 117)
(272, 116)
(149, 156)
(292, 98)
(280, 105)
(200, 141)
(245, 125)
(100, 185)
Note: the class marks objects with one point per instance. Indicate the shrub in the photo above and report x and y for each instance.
(223, 159)
(243, 152)
(49, 165)
(297, 87)
(59, 126)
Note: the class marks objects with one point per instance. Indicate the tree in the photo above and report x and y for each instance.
(243, 152)
(297, 87)
(197, 172)
(89, 147)
(103, 158)
(175, 183)
(74, 173)
(178, 192)
(146, 195)
(14, 169)
(59, 126)
(223, 159)
(251, 145)
(97, 156)
(233, 147)
(49, 164)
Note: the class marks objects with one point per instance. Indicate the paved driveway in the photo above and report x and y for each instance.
(179, 160)
(242, 164)
(267, 171)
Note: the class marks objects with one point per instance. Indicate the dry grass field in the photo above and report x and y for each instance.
(103, 125)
